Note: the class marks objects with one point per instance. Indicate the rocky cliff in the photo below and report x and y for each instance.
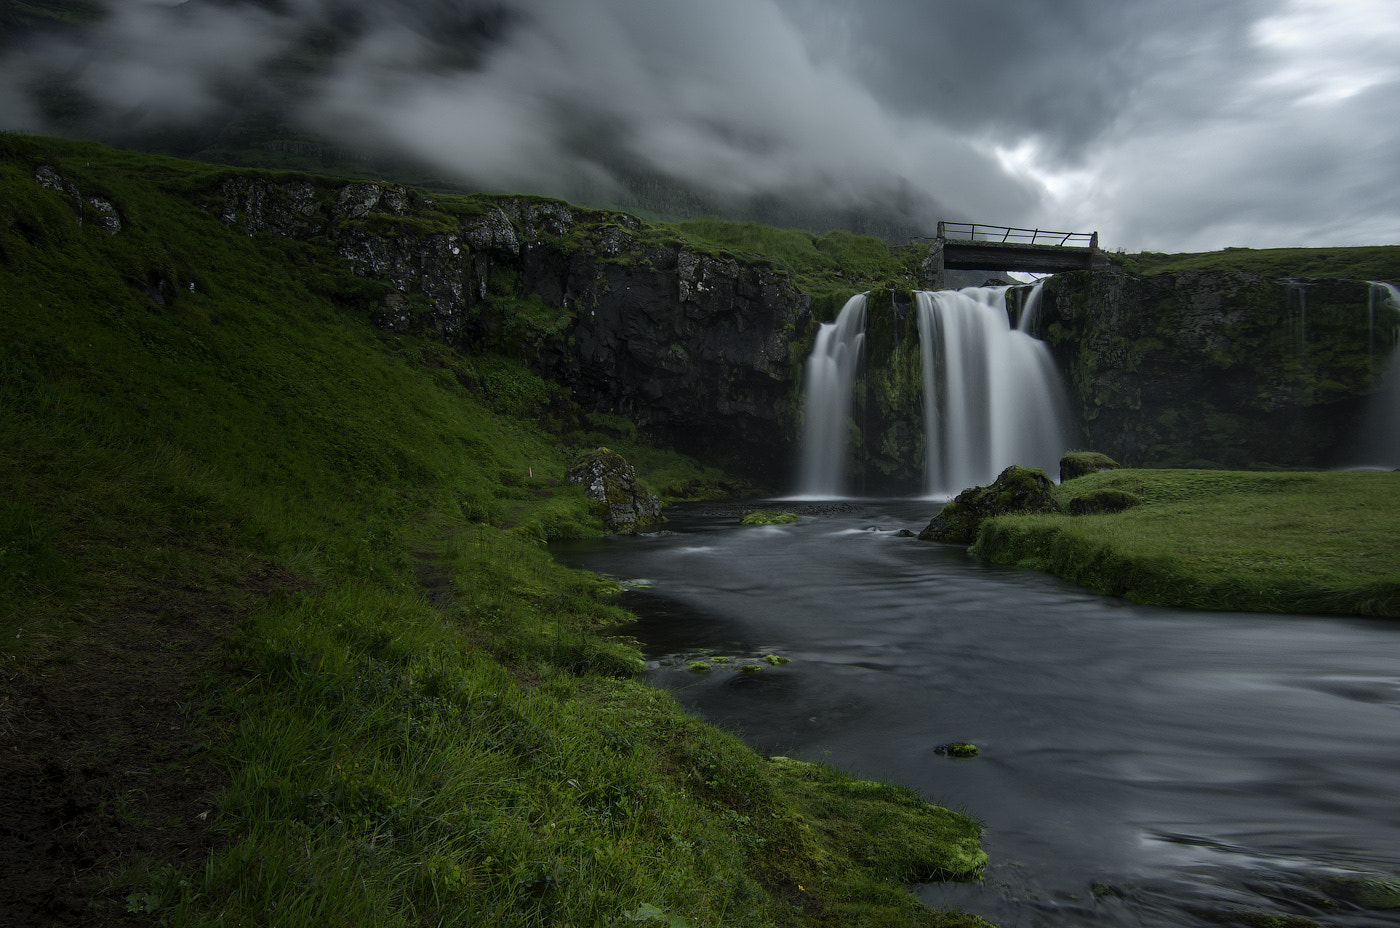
(690, 344)
(703, 349)
(1211, 368)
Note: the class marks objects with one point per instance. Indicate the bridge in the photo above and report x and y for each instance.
(972, 246)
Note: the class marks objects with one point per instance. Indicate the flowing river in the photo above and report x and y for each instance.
(1138, 766)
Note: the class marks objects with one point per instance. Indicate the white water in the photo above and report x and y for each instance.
(1030, 312)
(992, 396)
(830, 380)
(1379, 445)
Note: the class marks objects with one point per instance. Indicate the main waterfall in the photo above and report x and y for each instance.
(830, 381)
(992, 395)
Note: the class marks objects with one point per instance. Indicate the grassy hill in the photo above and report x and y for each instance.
(1371, 262)
(280, 641)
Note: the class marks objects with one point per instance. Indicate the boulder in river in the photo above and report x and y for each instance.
(1016, 490)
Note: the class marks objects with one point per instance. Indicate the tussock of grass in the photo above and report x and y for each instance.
(423, 719)
(1263, 542)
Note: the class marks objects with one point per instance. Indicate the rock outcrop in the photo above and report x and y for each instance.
(623, 503)
(691, 345)
(1016, 490)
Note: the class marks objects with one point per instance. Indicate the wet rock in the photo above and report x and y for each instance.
(622, 502)
(1016, 490)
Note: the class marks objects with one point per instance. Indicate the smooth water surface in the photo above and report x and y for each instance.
(1138, 765)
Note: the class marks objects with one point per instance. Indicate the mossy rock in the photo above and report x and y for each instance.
(767, 517)
(1083, 463)
(1368, 892)
(1016, 490)
(957, 749)
(1097, 502)
(619, 498)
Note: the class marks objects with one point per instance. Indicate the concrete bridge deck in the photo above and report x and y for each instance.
(970, 246)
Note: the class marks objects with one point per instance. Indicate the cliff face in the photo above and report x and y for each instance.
(703, 350)
(692, 346)
(1217, 368)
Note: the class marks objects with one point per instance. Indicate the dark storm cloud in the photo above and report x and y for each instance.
(1171, 124)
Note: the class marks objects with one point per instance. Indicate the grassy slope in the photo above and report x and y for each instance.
(1261, 542)
(290, 571)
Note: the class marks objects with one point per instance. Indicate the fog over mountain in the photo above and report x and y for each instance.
(1180, 125)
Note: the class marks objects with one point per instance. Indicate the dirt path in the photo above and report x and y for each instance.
(104, 762)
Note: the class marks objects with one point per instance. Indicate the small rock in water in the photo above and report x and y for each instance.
(957, 749)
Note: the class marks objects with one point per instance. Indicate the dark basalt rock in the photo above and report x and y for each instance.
(1016, 490)
(622, 502)
(1216, 368)
(691, 346)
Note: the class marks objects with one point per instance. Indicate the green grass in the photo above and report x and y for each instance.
(415, 715)
(1265, 542)
(830, 267)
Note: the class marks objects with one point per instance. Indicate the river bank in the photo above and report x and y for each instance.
(1299, 542)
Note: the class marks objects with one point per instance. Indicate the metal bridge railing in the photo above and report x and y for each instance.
(979, 232)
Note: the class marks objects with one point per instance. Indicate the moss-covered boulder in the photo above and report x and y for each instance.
(621, 500)
(767, 517)
(1016, 490)
(1083, 463)
(1096, 502)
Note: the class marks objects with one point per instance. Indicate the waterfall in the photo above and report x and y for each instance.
(1299, 322)
(1379, 444)
(830, 380)
(992, 396)
(1030, 310)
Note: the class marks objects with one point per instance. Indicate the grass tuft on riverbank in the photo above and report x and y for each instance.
(1314, 542)
(280, 641)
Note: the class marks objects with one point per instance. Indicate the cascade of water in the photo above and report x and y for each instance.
(1379, 444)
(992, 396)
(830, 380)
(1300, 322)
(1030, 312)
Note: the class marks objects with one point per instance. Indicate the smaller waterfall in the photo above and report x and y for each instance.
(828, 387)
(992, 396)
(1299, 322)
(1379, 444)
(1030, 310)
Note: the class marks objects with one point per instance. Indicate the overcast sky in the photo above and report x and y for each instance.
(1165, 125)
